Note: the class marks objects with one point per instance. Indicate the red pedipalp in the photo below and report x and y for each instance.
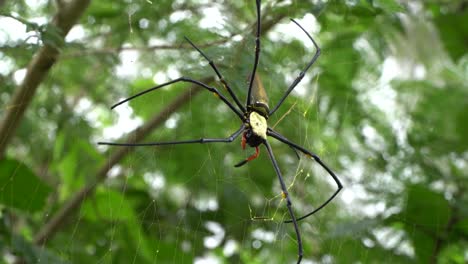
(244, 141)
(251, 157)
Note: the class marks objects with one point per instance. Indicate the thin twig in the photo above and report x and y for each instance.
(104, 51)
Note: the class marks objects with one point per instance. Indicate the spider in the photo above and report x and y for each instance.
(253, 116)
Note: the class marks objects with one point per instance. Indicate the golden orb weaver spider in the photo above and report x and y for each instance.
(254, 127)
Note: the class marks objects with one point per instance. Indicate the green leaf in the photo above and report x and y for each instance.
(108, 205)
(20, 188)
(68, 168)
(102, 9)
(32, 253)
(453, 29)
(390, 6)
(426, 214)
(426, 208)
(453, 254)
(462, 226)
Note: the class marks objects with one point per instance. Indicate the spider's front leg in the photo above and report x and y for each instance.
(189, 80)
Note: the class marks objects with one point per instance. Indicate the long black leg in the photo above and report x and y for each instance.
(257, 53)
(288, 201)
(220, 76)
(301, 74)
(185, 79)
(201, 140)
(286, 141)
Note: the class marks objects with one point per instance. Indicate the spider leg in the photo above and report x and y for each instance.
(220, 76)
(257, 53)
(301, 74)
(286, 141)
(189, 80)
(288, 201)
(192, 141)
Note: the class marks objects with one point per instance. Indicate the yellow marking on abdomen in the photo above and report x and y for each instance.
(258, 124)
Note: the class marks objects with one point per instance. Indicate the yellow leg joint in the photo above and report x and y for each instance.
(284, 195)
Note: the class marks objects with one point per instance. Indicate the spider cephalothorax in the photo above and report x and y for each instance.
(254, 128)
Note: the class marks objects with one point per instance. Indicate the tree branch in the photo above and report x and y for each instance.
(38, 68)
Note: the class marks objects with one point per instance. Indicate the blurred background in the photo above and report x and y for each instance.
(385, 106)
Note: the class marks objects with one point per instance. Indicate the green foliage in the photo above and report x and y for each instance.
(453, 29)
(21, 188)
(384, 106)
(31, 253)
(389, 6)
(426, 215)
